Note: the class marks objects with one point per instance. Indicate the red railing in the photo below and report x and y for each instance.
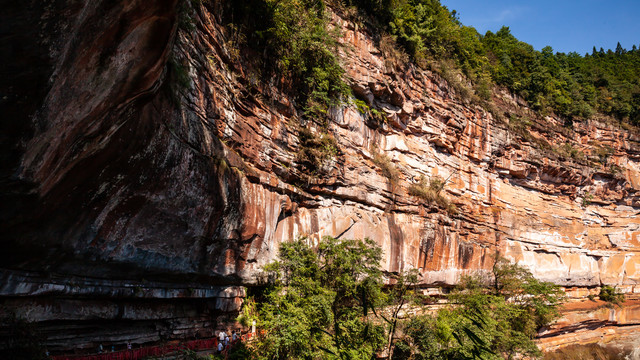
(143, 352)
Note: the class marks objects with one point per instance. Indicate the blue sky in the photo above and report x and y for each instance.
(565, 25)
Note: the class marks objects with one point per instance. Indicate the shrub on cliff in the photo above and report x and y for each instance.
(611, 295)
(291, 41)
(315, 150)
(430, 191)
(388, 169)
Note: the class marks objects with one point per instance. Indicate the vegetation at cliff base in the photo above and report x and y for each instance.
(486, 319)
(329, 301)
(319, 303)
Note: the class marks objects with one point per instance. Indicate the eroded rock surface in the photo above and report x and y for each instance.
(104, 177)
(590, 322)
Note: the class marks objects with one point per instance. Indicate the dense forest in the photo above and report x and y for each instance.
(292, 37)
(330, 301)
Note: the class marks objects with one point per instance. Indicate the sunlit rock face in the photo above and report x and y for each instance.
(111, 172)
(595, 322)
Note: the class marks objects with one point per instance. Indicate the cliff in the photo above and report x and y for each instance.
(140, 199)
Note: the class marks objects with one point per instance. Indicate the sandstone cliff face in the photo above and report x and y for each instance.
(595, 322)
(104, 177)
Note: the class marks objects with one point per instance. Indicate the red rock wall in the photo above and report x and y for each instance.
(110, 179)
(595, 322)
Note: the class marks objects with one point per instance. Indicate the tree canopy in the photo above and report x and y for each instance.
(571, 85)
(319, 302)
(292, 37)
(329, 301)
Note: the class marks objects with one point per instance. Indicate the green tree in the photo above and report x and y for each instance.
(487, 318)
(402, 293)
(319, 302)
(328, 302)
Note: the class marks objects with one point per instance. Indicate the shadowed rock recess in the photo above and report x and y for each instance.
(132, 207)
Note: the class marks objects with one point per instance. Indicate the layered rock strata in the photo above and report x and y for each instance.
(112, 171)
(597, 322)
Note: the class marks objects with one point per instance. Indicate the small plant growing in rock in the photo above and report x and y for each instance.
(568, 151)
(611, 295)
(375, 118)
(315, 150)
(520, 126)
(586, 199)
(394, 56)
(603, 152)
(236, 40)
(362, 106)
(430, 191)
(615, 170)
(388, 169)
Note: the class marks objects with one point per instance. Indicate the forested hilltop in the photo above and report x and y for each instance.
(294, 38)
